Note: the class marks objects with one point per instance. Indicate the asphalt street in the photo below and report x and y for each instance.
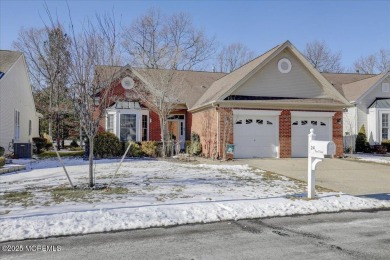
(348, 235)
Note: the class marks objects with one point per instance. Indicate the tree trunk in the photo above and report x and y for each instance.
(91, 180)
(58, 131)
(162, 126)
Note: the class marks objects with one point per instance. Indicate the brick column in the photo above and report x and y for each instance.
(285, 134)
(338, 133)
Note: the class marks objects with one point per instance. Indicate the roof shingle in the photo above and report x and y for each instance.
(7, 59)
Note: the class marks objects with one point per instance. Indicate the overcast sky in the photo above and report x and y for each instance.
(356, 28)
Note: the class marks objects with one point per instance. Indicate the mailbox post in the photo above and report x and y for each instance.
(317, 151)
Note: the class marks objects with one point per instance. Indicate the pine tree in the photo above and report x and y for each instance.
(361, 140)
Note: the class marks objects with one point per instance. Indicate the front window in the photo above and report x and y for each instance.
(17, 125)
(128, 130)
(110, 123)
(385, 126)
(144, 127)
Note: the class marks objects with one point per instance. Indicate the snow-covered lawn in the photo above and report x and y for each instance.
(146, 193)
(371, 158)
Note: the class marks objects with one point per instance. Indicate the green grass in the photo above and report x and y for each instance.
(19, 197)
(62, 193)
(51, 154)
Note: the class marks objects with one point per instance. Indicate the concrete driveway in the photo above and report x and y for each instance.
(352, 177)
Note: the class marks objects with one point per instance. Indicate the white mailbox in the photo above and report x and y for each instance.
(320, 149)
(317, 150)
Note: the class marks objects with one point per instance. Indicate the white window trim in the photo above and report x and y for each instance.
(385, 87)
(138, 120)
(381, 112)
(17, 125)
(113, 123)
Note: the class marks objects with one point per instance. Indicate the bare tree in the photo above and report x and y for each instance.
(383, 60)
(322, 58)
(233, 56)
(365, 65)
(373, 63)
(166, 42)
(91, 91)
(226, 130)
(207, 133)
(162, 45)
(161, 91)
(349, 124)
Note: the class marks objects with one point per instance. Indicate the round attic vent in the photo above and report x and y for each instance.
(127, 83)
(284, 65)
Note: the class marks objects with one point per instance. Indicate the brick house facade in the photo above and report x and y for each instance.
(265, 108)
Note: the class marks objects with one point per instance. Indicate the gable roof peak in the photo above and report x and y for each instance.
(223, 87)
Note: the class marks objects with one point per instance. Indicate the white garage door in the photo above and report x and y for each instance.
(255, 136)
(300, 128)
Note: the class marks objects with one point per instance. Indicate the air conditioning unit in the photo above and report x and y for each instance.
(22, 150)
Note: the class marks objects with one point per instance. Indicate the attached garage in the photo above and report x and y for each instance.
(256, 133)
(302, 122)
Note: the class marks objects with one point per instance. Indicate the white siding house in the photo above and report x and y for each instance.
(19, 121)
(370, 97)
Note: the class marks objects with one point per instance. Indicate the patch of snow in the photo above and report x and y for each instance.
(372, 158)
(159, 193)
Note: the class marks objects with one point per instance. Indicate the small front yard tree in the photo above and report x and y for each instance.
(90, 90)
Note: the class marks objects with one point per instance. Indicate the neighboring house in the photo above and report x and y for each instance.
(265, 108)
(369, 96)
(19, 121)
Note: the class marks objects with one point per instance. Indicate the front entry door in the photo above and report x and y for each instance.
(176, 128)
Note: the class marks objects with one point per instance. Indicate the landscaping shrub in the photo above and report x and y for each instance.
(187, 146)
(2, 151)
(135, 150)
(196, 146)
(386, 143)
(52, 154)
(74, 143)
(361, 141)
(106, 145)
(149, 148)
(48, 146)
(40, 143)
(2, 161)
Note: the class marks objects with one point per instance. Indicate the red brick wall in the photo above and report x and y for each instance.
(225, 130)
(154, 127)
(338, 133)
(285, 134)
(204, 123)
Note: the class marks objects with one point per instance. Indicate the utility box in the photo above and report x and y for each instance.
(23, 150)
(320, 149)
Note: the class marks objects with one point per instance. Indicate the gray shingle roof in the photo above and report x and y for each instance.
(7, 59)
(338, 79)
(195, 83)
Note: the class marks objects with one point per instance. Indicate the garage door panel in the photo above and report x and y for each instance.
(255, 136)
(300, 129)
